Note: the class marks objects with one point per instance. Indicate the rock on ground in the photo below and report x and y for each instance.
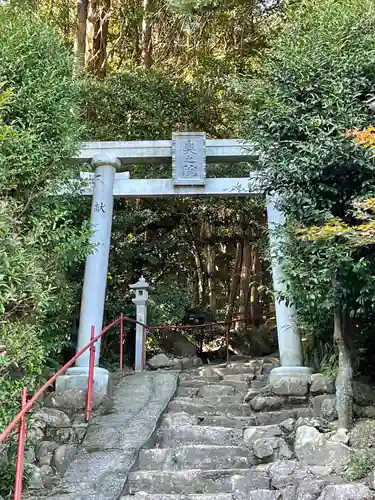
(313, 448)
(52, 417)
(290, 386)
(159, 361)
(346, 492)
(321, 384)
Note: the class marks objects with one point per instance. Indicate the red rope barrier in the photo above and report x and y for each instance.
(203, 325)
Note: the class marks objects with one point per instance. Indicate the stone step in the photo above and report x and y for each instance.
(237, 399)
(181, 418)
(200, 406)
(147, 496)
(278, 416)
(227, 421)
(195, 457)
(241, 382)
(198, 481)
(187, 391)
(240, 386)
(261, 418)
(236, 368)
(250, 495)
(198, 382)
(259, 384)
(217, 391)
(169, 437)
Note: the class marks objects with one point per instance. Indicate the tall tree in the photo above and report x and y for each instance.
(80, 37)
(309, 92)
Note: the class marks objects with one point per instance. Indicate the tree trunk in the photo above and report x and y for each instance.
(210, 260)
(233, 290)
(146, 49)
(344, 389)
(80, 39)
(256, 310)
(200, 275)
(245, 310)
(97, 36)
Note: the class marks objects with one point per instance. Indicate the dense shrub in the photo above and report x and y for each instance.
(310, 91)
(42, 239)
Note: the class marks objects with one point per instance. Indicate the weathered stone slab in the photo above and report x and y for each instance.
(321, 384)
(364, 395)
(199, 406)
(290, 386)
(195, 457)
(226, 421)
(187, 392)
(253, 433)
(313, 448)
(72, 399)
(267, 403)
(269, 449)
(162, 496)
(325, 406)
(346, 492)
(52, 417)
(197, 481)
(290, 473)
(216, 390)
(275, 417)
(197, 434)
(100, 469)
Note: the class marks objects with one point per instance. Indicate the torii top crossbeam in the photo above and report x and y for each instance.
(188, 152)
(159, 152)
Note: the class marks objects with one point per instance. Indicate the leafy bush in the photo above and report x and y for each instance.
(8, 476)
(361, 464)
(310, 91)
(147, 105)
(42, 238)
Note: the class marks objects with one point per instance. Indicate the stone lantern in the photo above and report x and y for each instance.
(141, 289)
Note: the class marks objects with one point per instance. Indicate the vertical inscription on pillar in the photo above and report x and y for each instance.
(189, 158)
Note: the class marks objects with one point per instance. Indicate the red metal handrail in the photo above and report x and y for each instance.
(26, 406)
(35, 397)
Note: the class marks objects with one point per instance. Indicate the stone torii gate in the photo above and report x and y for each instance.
(188, 152)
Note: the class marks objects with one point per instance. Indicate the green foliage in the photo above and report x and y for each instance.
(168, 305)
(310, 91)
(42, 236)
(136, 105)
(8, 476)
(361, 464)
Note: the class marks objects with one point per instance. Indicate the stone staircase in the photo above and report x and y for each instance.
(211, 433)
(212, 445)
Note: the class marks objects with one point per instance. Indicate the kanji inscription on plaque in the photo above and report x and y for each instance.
(189, 158)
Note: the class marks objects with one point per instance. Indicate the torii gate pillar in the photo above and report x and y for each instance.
(289, 340)
(95, 279)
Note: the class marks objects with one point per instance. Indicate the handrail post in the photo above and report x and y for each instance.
(121, 342)
(90, 382)
(20, 449)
